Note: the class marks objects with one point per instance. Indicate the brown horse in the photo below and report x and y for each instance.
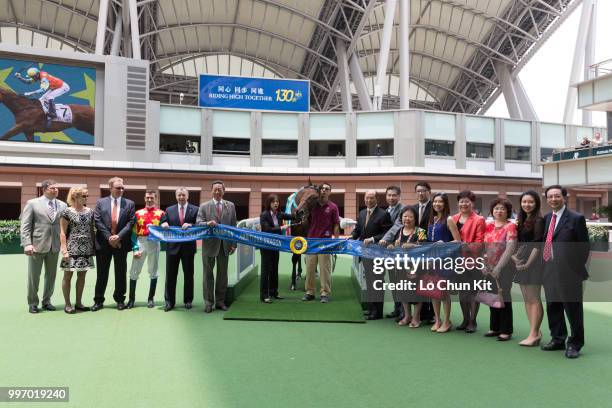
(30, 117)
(305, 200)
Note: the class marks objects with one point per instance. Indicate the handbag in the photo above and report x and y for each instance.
(429, 280)
(494, 300)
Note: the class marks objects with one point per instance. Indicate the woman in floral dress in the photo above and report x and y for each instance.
(77, 240)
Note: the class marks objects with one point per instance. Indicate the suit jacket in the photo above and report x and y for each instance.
(572, 256)
(172, 217)
(378, 224)
(38, 229)
(267, 223)
(208, 212)
(424, 221)
(102, 216)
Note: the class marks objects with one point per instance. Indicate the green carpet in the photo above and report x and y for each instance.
(344, 306)
(148, 358)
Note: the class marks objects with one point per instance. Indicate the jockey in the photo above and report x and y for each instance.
(51, 86)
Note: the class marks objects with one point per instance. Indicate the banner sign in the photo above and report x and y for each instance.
(264, 240)
(46, 103)
(216, 91)
(582, 153)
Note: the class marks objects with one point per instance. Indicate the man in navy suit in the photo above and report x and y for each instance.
(114, 217)
(565, 254)
(183, 215)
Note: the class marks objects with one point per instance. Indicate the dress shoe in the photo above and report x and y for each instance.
(168, 307)
(49, 307)
(277, 297)
(308, 297)
(208, 309)
(81, 308)
(188, 305)
(96, 307)
(33, 309)
(572, 352)
(69, 310)
(120, 306)
(130, 304)
(221, 306)
(470, 328)
(553, 345)
(505, 337)
(150, 304)
(491, 333)
(373, 316)
(392, 315)
(266, 300)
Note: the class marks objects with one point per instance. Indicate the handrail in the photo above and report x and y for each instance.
(601, 68)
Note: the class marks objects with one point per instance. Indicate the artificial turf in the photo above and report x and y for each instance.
(148, 358)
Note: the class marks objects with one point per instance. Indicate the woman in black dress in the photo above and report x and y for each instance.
(528, 263)
(270, 221)
(407, 237)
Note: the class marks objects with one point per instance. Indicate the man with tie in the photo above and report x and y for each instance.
(211, 213)
(372, 224)
(40, 239)
(183, 215)
(114, 216)
(565, 254)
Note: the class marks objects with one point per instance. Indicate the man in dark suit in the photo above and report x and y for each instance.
(183, 215)
(372, 224)
(114, 217)
(394, 208)
(565, 253)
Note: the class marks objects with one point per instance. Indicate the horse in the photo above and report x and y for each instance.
(30, 117)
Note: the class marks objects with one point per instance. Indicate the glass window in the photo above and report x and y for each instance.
(227, 145)
(439, 148)
(179, 143)
(518, 153)
(383, 147)
(279, 147)
(546, 153)
(479, 151)
(327, 148)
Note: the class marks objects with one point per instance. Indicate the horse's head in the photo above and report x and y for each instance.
(306, 199)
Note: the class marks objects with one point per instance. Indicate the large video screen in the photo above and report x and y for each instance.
(46, 103)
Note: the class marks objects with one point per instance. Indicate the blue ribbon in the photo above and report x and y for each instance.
(265, 240)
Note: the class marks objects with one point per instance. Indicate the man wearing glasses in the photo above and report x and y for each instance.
(323, 223)
(114, 218)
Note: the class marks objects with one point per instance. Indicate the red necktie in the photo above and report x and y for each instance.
(549, 237)
(114, 217)
(182, 215)
(219, 209)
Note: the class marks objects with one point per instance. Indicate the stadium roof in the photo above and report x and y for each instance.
(454, 45)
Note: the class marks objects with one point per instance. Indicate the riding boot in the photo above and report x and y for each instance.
(152, 289)
(132, 293)
(52, 112)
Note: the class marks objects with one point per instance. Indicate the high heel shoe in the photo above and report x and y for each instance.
(534, 343)
(443, 330)
(403, 322)
(435, 327)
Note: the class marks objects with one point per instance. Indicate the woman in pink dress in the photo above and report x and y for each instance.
(500, 243)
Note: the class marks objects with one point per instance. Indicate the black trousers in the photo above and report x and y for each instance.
(564, 299)
(374, 297)
(103, 260)
(268, 283)
(172, 267)
(501, 319)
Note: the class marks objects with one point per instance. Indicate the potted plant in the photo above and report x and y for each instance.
(10, 237)
(598, 237)
(605, 212)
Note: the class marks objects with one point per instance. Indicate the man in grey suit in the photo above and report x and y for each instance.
(40, 239)
(211, 213)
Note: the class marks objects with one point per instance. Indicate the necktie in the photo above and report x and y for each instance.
(421, 212)
(114, 213)
(51, 211)
(368, 216)
(219, 209)
(182, 215)
(549, 237)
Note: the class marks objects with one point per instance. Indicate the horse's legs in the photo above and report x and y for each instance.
(294, 261)
(299, 263)
(15, 130)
